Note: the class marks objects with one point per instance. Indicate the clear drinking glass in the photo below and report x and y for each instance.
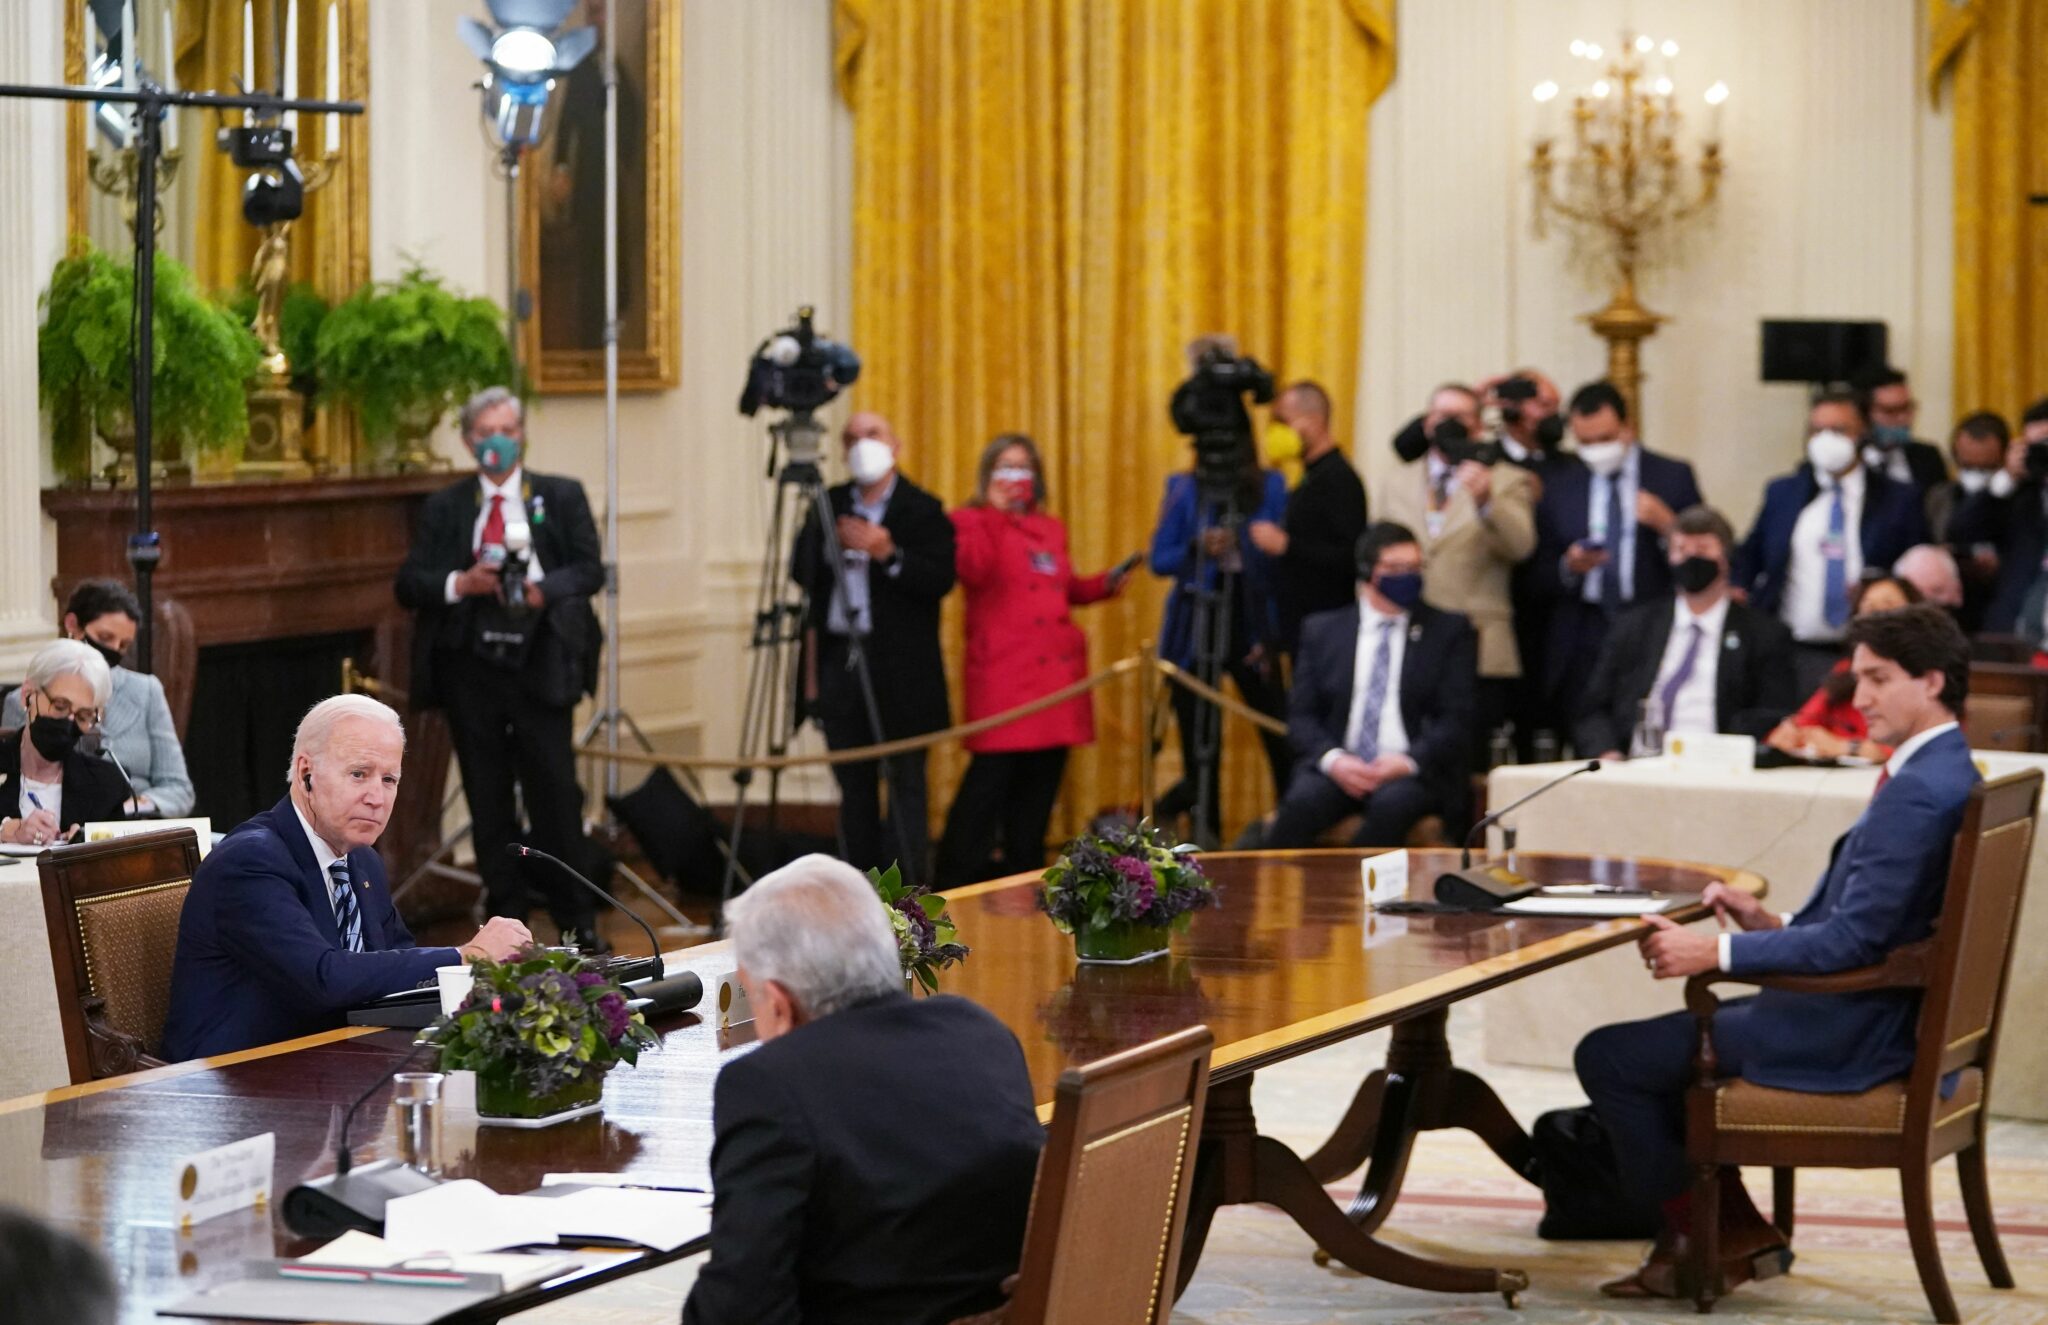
(416, 1104)
(1648, 740)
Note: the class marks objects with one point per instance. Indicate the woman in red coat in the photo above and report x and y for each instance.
(1011, 558)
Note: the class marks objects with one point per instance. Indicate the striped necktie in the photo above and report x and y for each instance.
(348, 918)
(1835, 574)
(1368, 747)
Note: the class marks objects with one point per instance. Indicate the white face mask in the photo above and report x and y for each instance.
(1975, 480)
(869, 460)
(1604, 458)
(1830, 452)
(2002, 483)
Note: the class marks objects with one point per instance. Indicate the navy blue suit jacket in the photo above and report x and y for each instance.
(1564, 516)
(2019, 526)
(1174, 553)
(1894, 519)
(259, 957)
(1883, 890)
(1439, 670)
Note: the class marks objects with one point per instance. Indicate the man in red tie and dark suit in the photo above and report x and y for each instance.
(509, 664)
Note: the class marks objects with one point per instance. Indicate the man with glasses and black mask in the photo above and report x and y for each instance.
(48, 786)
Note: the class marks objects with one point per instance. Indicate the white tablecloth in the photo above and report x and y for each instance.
(1780, 824)
(31, 1042)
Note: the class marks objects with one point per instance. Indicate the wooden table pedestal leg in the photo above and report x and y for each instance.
(1236, 1165)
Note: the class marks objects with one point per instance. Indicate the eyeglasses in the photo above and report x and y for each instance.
(87, 719)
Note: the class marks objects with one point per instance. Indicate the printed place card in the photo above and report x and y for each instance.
(1711, 752)
(733, 1008)
(224, 1179)
(1385, 876)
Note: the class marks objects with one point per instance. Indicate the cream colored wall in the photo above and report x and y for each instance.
(1835, 204)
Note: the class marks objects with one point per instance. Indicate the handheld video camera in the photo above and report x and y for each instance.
(512, 558)
(1209, 409)
(797, 369)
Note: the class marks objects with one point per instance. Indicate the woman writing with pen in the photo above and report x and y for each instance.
(48, 786)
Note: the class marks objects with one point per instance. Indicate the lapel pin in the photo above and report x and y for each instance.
(1732, 643)
(1414, 633)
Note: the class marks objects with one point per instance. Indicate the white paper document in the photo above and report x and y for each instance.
(516, 1270)
(1598, 907)
(457, 1218)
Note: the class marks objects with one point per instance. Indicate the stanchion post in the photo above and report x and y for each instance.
(1148, 681)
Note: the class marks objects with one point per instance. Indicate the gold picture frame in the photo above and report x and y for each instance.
(561, 202)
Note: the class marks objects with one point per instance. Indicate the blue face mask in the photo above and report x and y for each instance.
(497, 454)
(1403, 590)
(1890, 435)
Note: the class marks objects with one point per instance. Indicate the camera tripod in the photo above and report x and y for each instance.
(1210, 628)
(772, 715)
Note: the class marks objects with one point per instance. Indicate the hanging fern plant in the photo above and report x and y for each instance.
(404, 352)
(203, 359)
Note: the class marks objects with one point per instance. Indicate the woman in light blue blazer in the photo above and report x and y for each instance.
(137, 727)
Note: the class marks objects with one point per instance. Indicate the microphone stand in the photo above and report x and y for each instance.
(519, 850)
(1485, 887)
(145, 545)
(350, 1197)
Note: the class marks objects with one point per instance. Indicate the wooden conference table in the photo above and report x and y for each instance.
(1290, 961)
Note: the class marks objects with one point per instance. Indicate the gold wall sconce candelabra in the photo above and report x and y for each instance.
(1619, 180)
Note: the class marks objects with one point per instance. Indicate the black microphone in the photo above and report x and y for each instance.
(1486, 887)
(93, 744)
(350, 1197)
(517, 849)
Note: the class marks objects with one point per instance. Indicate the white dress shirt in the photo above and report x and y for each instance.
(514, 512)
(323, 856)
(1905, 750)
(1620, 543)
(1393, 733)
(1692, 708)
(1805, 608)
(837, 619)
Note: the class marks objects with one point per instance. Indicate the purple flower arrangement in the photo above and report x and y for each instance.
(1125, 875)
(540, 1023)
(926, 941)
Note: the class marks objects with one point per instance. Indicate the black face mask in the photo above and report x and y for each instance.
(53, 738)
(1694, 574)
(113, 656)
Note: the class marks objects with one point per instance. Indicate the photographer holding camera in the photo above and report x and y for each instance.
(1531, 422)
(1222, 616)
(1476, 519)
(501, 571)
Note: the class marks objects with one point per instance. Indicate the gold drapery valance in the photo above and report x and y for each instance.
(1051, 197)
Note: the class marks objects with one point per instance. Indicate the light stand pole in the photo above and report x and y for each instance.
(145, 545)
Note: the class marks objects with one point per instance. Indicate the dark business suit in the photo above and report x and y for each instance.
(1564, 516)
(94, 790)
(903, 661)
(1753, 687)
(1326, 513)
(875, 1165)
(260, 958)
(1883, 889)
(1439, 667)
(1893, 521)
(2018, 526)
(512, 724)
(1926, 466)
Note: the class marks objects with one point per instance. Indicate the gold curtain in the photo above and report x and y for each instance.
(208, 37)
(1991, 51)
(1051, 197)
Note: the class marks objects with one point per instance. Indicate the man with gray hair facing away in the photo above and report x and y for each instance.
(501, 571)
(874, 1158)
(289, 922)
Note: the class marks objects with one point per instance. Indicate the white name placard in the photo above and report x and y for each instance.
(1711, 752)
(1385, 877)
(226, 1178)
(104, 830)
(733, 1008)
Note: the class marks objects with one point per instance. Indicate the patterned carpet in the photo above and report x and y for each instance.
(1461, 1204)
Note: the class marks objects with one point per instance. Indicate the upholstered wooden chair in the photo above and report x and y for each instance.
(1103, 1242)
(1907, 1124)
(112, 909)
(2008, 708)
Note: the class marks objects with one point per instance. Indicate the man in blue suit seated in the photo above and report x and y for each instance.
(1820, 528)
(289, 923)
(1882, 890)
(873, 1160)
(1381, 714)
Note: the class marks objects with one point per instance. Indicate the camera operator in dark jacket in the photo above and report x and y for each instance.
(509, 658)
(1316, 544)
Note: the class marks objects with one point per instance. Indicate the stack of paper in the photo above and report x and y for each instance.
(457, 1218)
(367, 1251)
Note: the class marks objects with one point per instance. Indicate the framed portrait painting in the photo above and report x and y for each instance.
(562, 210)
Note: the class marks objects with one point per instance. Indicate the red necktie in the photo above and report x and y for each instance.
(1884, 775)
(494, 524)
